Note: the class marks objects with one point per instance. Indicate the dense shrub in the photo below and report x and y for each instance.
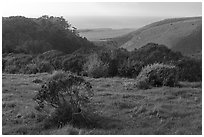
(12, 69)
(154, 53)
(57, 63)
(157, 75)
(34, 47)
(118, 61)
(70, 95)
(14, 63)
(3, 64)
(49, 55)
(18, 59)
(45, 66)
(37, 35)
(190, 69)
(105, 63)
(104, 56)
(74, 63)
(113, 68)
(54, 57)
(30, 69)
(129, 69)
(94, 67)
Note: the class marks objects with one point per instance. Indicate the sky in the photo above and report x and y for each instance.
(104, 14)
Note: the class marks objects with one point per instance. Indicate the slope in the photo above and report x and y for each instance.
(179, 34)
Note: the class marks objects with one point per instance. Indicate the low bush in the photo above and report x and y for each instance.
(54, 57)
(154, 53)
(129, 69)
(3, 64)
(157, 75)
(45, 66)
(68, 94)
(18, 59)
(15, 63)
(95, 68)
(12, 69)
(190, 69)
(49, 55)
(57, 63)
(74, 63)
(30, 69)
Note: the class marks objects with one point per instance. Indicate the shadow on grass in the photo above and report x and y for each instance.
(87, 120)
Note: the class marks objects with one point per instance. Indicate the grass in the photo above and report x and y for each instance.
(118, 109)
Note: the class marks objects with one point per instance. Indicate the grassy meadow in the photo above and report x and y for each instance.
(120, 108)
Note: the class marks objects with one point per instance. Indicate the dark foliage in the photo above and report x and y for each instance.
(94, 67)
(31, 69)
(54, 57)
(154, 53)
(74, 63)
(34, 47)
(68, 94)
(16, 63)
(45, 66)
(129, 68)
(100, 62)
(157, 75)
(3, 64)
(37, 35)
(190, 69)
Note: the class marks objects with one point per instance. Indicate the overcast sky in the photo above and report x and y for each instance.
(108, 14)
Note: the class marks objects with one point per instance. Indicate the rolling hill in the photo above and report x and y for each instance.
(178, 34)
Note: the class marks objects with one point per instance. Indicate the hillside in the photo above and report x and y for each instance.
(179, 34)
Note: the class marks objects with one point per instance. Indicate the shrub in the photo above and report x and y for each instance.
(57, 63)
(30, 69)
(54, 57)
(104, 56)
(70, 95)
(45, 66)
(157, 75)
(95, 67)
(34, 47)
(118, 62)
(129, 68)
(3, 64)
(50, 55)
(98, 70)
(12, 69)
(113, 68)
(74, 63)
(152, 53)
(190, 69)
(14, 63)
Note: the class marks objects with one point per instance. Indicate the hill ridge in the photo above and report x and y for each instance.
(168, 32)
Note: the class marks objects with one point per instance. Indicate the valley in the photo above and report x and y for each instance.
(179, 34)
(102, 34)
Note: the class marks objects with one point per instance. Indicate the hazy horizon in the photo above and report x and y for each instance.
(114, 22)
(116, 15)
